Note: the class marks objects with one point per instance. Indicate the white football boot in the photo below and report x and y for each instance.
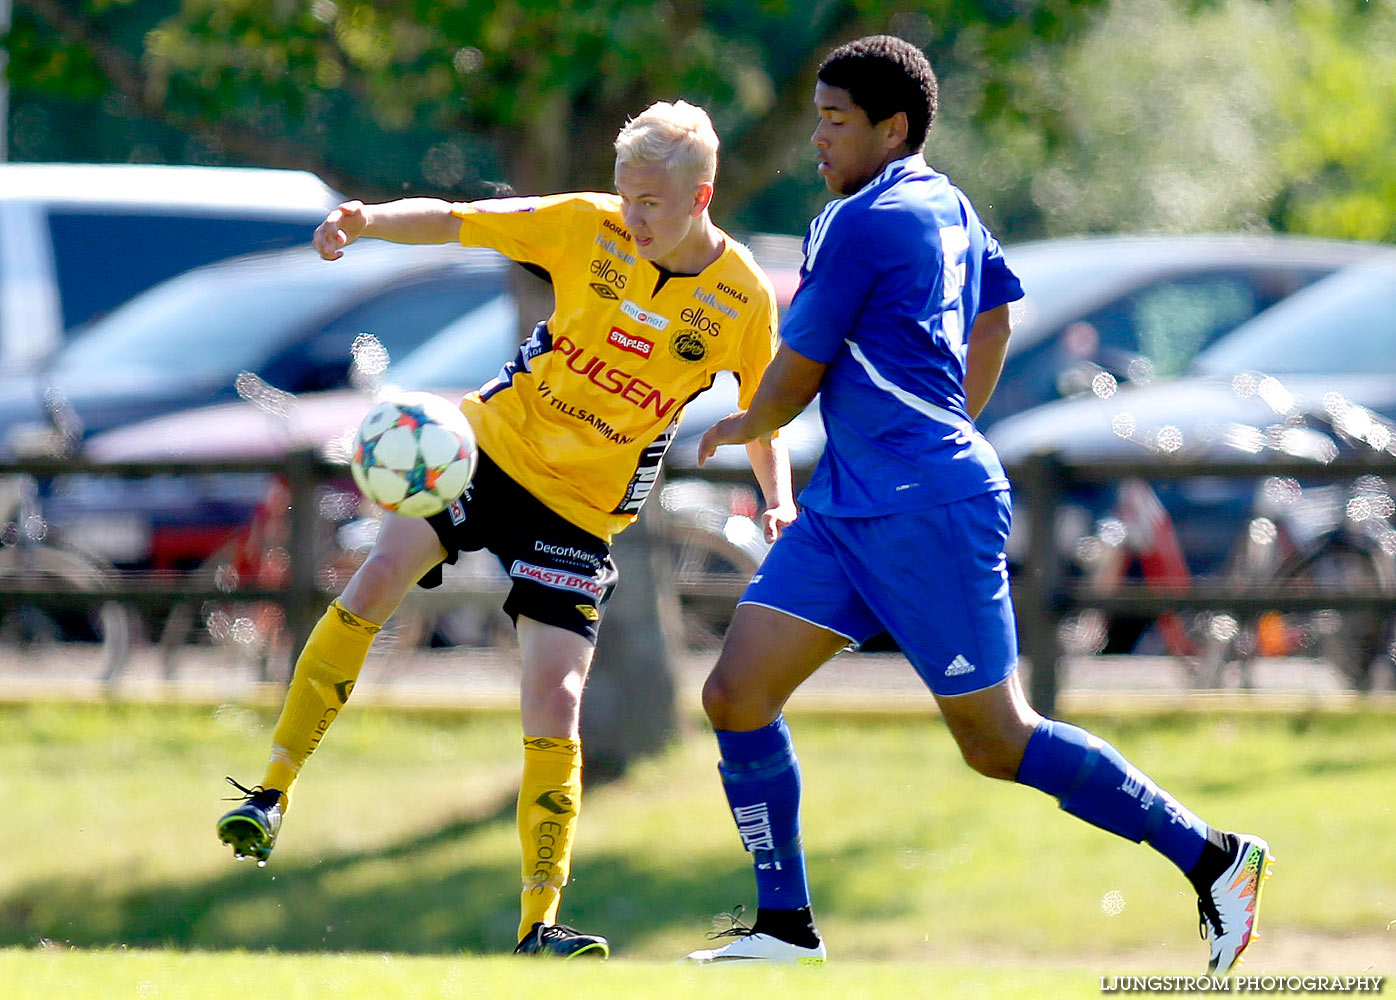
(752, 947)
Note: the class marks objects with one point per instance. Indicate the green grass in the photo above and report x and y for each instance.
(402, 841)
(107, 974)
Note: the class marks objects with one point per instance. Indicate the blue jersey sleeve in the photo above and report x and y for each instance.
(997, 284)
(837, 278)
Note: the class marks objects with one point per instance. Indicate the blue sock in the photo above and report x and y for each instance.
(762, 779)
(1093, 781)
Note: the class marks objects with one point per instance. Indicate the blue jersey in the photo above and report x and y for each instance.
(894, 276)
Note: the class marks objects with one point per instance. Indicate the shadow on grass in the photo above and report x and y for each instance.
(419, 895)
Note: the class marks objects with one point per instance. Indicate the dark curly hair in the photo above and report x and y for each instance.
(884, 74)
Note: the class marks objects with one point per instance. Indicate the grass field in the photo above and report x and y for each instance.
(397, 977)
(401, 850)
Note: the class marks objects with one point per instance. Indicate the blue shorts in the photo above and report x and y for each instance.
(935, 578)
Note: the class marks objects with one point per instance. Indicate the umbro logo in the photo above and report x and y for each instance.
(342, 690)
(555, 801)
(959, 665)
(604, 291)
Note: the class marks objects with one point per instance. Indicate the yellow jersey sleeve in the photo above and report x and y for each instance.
(529, 230)
(583, 414)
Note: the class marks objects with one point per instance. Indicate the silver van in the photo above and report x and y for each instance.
(76, 240)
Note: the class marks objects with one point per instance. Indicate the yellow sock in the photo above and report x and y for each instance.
(325, 674)
(550, 799)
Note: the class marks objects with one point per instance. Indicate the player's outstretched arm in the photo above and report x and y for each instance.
(988, 343)
(408, 220)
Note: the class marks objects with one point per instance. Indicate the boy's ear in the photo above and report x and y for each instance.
(702, 197)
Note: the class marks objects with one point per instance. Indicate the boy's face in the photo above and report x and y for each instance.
(851, 149)
(659, 206)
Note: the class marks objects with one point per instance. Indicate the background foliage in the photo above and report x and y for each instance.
(1058, 116)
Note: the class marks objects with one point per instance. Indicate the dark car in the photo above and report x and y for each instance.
(1311, 378)
(1068, 281)
(1137, 308)
(287, 319)
(78, 239)
(1126, 307)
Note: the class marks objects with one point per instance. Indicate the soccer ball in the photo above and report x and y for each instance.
(414, 454)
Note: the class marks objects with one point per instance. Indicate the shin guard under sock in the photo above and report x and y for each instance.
(550, 799)
(325, 674)
(762, 779)
(1094, 782)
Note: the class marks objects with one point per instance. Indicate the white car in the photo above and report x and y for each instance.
(76, 240)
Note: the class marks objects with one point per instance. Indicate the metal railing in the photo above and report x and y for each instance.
(302, 598)
(1043, 595)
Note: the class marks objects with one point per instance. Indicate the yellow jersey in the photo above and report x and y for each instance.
(583, 415)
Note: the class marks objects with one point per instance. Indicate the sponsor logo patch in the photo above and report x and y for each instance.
(558, 579)
(589, 612)
(709, 299)
(613, 248)
(700, 320)
(689, 345)
(643, 315)
(568, 553)
(608, 272)
(457, 511)
(621, 383)
(729, 290)
(630, 342)
(959, 665)
(620, 231)
(555, 801)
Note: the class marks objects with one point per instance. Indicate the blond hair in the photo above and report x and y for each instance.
(679, 136)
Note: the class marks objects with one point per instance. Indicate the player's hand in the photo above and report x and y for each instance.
(731, 429)
(776, 519)
(341, 227)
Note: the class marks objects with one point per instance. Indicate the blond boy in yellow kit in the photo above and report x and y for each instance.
(652, 301)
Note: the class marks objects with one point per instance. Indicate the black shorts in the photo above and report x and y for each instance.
(561, 574)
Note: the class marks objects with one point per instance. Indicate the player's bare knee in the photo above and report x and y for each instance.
(381, 581)
(716, 701)
(990, 755)
(737, 706)
(555, 700)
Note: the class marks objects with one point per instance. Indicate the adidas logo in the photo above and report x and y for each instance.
(959, 665)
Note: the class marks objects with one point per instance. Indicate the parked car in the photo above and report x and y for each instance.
(459, 358)
(1138, 308)
(1067, 281)
(1312, 377)
(287, 319)
(77, 240)
(1131, 307)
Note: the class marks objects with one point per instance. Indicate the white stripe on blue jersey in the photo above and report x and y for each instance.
(927, 409)
(820, 226)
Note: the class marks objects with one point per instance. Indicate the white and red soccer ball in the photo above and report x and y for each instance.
(414, 454)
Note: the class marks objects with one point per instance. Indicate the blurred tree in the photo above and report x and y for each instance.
(1163, 122)
(1209, 115)
(1338, 107)
(460, 97)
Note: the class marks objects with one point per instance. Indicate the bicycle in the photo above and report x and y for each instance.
(1308, 538)
(32, 560)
